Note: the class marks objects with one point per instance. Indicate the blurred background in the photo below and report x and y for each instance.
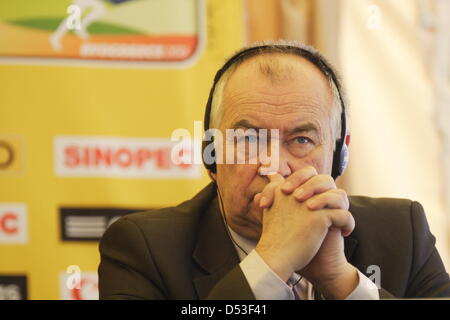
(91, 91)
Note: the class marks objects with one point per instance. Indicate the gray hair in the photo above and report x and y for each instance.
(274, 72)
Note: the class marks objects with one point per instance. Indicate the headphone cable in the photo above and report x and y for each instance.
(226, 223)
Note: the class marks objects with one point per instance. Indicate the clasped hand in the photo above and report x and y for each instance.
(305, 219)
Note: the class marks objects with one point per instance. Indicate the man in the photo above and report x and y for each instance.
(288, 233)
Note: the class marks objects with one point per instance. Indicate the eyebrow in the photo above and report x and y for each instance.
(304, 127)
(245, 124)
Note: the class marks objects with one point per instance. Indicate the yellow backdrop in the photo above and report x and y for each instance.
(39, 102)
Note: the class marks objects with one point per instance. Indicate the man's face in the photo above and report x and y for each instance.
(299, 104)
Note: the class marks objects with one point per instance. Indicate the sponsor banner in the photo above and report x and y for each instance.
(79, 286)
(163, 31)
(88, 224)
(11, 154)
(13, 287)
(121, 158)
(13, 223)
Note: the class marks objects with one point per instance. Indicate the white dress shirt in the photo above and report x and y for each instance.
(267, 285)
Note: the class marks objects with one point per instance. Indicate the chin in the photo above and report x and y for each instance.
(254, 225)
(250, 233)
(247, 226)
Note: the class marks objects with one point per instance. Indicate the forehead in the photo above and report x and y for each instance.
(276, 84)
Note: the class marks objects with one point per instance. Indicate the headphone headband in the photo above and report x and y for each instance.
(311, 55)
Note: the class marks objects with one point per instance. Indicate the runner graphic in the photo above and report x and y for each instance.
(97, 11)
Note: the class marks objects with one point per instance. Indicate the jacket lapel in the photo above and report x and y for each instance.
(350, 245)
(214, 252)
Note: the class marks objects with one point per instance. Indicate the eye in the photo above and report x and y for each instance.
(302, 140)
(249, 139)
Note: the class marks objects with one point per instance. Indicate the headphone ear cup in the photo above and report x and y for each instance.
(212, 166)
(209, 165)
(343, 159)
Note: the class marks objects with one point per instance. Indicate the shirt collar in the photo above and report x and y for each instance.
(239, 241)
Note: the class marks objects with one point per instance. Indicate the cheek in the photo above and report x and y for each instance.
(235, 181)
(320, 158)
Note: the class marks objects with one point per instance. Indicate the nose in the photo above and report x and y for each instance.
(279, 163)
(284, 168)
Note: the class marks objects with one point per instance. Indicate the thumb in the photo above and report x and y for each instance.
(268, 193)
(272, 176)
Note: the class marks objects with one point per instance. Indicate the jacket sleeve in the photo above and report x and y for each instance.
(428, 277)
(126, 264)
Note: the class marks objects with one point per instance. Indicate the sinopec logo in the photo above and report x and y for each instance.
(13, 223)
(120, 157)
(11, 154)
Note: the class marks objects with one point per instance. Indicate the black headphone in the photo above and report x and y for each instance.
(340, 154)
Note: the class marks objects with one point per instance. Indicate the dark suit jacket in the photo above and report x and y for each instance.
(184, 252)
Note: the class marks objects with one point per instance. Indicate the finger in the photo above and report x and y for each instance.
(342, 219)
(298, 178)
(257, 209)
(317, 184)
(275, 177)
(268, 193)
(331, 199)
(257, 198)
(334, 229)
